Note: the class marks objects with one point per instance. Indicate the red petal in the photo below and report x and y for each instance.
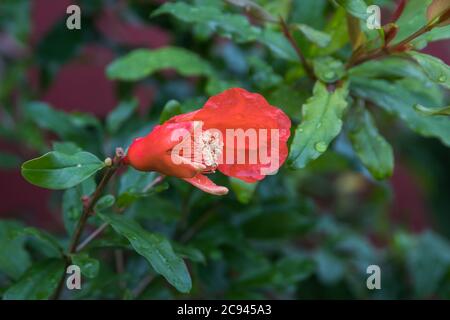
(239, 109)
(205, 184)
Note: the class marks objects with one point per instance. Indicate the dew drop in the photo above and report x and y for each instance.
(79, 165)
(319, 125)
(442, 78)
(320, 146)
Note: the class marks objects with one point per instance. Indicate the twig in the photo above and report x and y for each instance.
(142, 286)
(401, 46)
(292, 41)
(197, 225)
(92, 236)
(87, 210)
(97, 232)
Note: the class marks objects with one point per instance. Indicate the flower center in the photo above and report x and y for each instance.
(209, 146)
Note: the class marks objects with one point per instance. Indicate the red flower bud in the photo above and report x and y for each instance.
(236, 132)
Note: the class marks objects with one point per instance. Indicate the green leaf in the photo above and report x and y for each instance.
(89, 266)
(120, 115)
(56, 170)
(287, 271)
(72, 205)
(38, 283)
(141, 63)
(435, 68)
(216, 86)
(321, 123)
(66, 147)
(14, 259)
(171, 108)
(428, 262)
(67, 126)
(373, 150)
(356, 8)
(435, 34)
(244, 190)
(189, 252)
(336, 28)
(390, 67)
(412, 19)
(263, 75)
(432, 111)
(104, 202)
(289, 99)
(399, 98)
(319, 38)
(44, 237)
(228, 25)
(9, 160)
(328, 69)
(155, 248)
(137, 184)
(278, 44)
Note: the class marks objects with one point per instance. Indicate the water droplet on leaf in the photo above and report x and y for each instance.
(320, 146)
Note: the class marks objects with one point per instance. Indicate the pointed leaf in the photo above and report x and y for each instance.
(317, 37)
(373, 150)
(56, 170)
(321, 123)
(435, 68)
(120, 114)
(155, 248)
(399, 98)
(38, 283)
(141, 63)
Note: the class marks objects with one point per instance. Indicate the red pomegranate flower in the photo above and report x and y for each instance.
(236, 132)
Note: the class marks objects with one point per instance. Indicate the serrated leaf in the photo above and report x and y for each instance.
(317, 37)
(374, 151)
(120, 114)
(435, 68)
(38, 283)
(56, 170)
(141, 63)
(244, 190)
(328, 69)
(155, 248)
(357, 8)
(321, 123)
(88, 266)
(14, 259)
(399, 98)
